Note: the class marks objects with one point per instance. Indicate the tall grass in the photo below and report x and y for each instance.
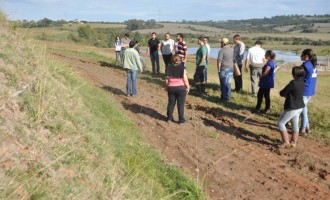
(62, 138)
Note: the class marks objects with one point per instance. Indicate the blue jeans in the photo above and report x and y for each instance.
(287, 115)
(304, 114)
(205, 74)
(225, 75)
(154, 57)
(132, 76)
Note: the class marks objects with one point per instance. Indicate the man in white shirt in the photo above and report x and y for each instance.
(206, 43)
(255, 59)
(239, 50)
(167, 49)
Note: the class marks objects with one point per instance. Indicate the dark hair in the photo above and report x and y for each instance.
(237, 36)
(270, 54)
(176, 59)
(200, 38)
(298, 72)
(258, 42)
(117, 36)
(180, 34)
(131, 44)
(205, 37)
(126, 34)
(153, 33)
(311, 56)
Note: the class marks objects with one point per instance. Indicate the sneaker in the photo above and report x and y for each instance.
(266, 111)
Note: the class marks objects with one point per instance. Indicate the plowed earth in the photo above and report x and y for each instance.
(232, 154)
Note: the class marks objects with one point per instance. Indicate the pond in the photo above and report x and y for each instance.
(282, 56)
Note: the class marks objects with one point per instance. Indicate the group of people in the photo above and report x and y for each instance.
(262, 68)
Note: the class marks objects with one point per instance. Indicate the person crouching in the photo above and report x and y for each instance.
(177, 88)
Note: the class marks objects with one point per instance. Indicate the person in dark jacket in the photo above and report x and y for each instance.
(293, 106)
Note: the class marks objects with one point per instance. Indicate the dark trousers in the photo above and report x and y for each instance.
(238, 80)
(154, 57)
(167, 59)
(200, 79)
(176, 95)
(263, 92)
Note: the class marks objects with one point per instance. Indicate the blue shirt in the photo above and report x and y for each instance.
(268, 81)
(310, 78)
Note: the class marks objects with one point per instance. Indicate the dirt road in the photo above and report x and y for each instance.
(230, 153)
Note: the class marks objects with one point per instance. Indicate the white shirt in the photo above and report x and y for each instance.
(167, 46)
(256, 55)
(208, 50)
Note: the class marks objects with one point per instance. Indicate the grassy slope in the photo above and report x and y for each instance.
(70, 140)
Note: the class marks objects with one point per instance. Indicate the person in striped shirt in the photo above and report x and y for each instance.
(181, 48)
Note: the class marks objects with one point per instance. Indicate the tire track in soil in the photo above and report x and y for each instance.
(215, 146)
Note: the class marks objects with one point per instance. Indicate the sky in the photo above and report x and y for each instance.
(160, 10)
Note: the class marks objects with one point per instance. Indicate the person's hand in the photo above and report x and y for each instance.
(246, 69)
(187, 90)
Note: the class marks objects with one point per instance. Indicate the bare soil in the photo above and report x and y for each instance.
(233, 155)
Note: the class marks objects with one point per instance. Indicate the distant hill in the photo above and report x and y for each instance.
(304, 23)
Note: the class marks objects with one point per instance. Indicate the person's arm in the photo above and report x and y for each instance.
(204, 52)
(158, 46)
(286, 90)
(185, 53)
(186, 82)
(138, 61)
(266, 72)
(166, 81)
(247, 62)
(219, 61)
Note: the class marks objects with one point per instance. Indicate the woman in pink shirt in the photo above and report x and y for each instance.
(177, 88)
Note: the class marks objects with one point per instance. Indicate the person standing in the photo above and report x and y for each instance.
(132, 64)
(293, 106)
(310, 66)
(118, 49)
(153, 48)
(206, 43)
(239, 50)
(181, 48)
(225, 64)
(201, 56)
(255, 60)
(177, 88)
(124, 45)
(167, 48)
(266, 81)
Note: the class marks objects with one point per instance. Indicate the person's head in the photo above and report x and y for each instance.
(224, 42)
(179, 37)
(167, 36)
(117, 37)
(126, 35)
(237, 39)
(308, 54)
(153, 35)
(270, 55)
(206, 40)
(200, 40)
(137, 43)
(176, 59)
(258, 43)
(298, 72)
(131, 44)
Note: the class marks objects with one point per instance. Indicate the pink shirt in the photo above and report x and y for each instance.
(174, 82)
